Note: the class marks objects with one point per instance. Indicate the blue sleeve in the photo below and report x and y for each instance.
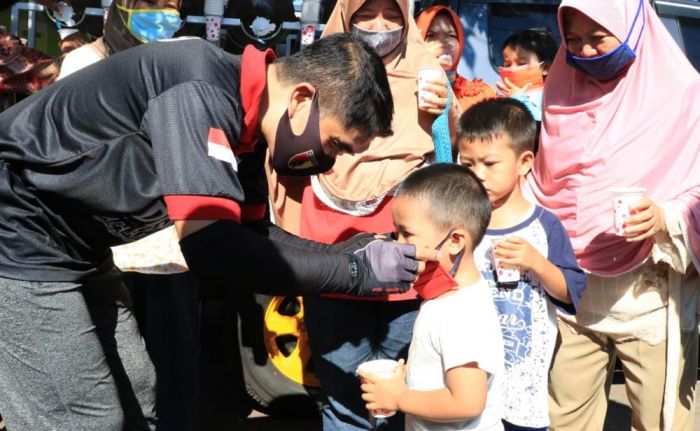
(561, 253)
(527, 100)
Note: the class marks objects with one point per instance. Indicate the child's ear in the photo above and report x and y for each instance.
(459, 240)
(525, 161)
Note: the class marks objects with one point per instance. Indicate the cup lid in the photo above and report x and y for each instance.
(378, 365)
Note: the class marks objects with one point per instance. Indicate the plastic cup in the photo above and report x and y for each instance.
(383, 369)
(624, 198)
(446, 58)
(65, 32)
(426, 75)
(213, 27)
(504, 274)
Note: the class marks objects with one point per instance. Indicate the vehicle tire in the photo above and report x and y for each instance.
(276, 358)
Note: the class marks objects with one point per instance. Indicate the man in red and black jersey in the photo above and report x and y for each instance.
(167, 132)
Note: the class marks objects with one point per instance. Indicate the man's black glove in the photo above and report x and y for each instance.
(353, 244)
(384, 267)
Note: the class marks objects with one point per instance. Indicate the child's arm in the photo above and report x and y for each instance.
(464, 397)
(515, 251)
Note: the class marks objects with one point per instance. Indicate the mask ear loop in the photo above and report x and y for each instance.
(455, 265)
(442, 241)
(126, 23)
(458, 259)
(641, 32)
(312, 109)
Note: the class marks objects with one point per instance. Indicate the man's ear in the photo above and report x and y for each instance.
(525, 161)
(300, 98)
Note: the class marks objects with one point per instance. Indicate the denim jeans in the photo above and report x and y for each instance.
(345, 333)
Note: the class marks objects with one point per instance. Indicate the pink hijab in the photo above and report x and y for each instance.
(642, 129)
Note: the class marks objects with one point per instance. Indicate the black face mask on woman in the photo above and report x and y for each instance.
(301, 155)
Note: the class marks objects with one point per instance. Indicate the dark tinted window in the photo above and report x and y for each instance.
(690, 30)
(507, 18)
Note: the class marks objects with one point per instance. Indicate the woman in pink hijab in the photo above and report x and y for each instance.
(622, 109)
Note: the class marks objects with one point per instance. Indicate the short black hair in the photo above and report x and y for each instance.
(538, 40)
(351, 80)
(452, 196)
(502, 116)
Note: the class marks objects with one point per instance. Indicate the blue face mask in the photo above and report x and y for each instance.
(150, 25)
(610, 65)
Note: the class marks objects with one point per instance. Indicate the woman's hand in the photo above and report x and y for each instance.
(509, 89)
(383, 394)
(436, 99)
(646, 220)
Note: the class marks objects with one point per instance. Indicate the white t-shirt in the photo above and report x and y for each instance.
(451, 331)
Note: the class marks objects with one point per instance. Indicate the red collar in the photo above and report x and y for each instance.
(253, 81)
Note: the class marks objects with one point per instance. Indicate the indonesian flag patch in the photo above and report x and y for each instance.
(219, 148)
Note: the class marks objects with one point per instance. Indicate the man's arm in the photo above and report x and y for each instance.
(225, 250)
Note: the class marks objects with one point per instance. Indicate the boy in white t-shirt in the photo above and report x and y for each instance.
(495, 139)
(455, 360)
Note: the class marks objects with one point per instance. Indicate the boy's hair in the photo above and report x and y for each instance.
(537, 40)
(453, 197)
(499, 117)
(351, 80)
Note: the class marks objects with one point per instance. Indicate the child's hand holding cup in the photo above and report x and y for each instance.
(503, 273)
(624, 199)
(379, 369)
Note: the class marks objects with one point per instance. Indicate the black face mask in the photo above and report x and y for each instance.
(298, 156)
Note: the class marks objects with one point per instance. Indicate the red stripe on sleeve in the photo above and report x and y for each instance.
(191, 207)
(217, 136)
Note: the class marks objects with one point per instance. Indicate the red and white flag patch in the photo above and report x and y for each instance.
(219, 148)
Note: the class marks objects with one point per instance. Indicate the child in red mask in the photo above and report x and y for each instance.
(456, 356)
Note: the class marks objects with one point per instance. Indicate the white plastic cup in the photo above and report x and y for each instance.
(504, 274)
(213, 27)
(65, 32)
(383, 369)
(446, 58)
(426, 75)
(624, 198)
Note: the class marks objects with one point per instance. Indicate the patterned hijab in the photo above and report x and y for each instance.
(23, 70)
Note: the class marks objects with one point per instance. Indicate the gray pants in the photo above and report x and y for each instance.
(72, 358)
